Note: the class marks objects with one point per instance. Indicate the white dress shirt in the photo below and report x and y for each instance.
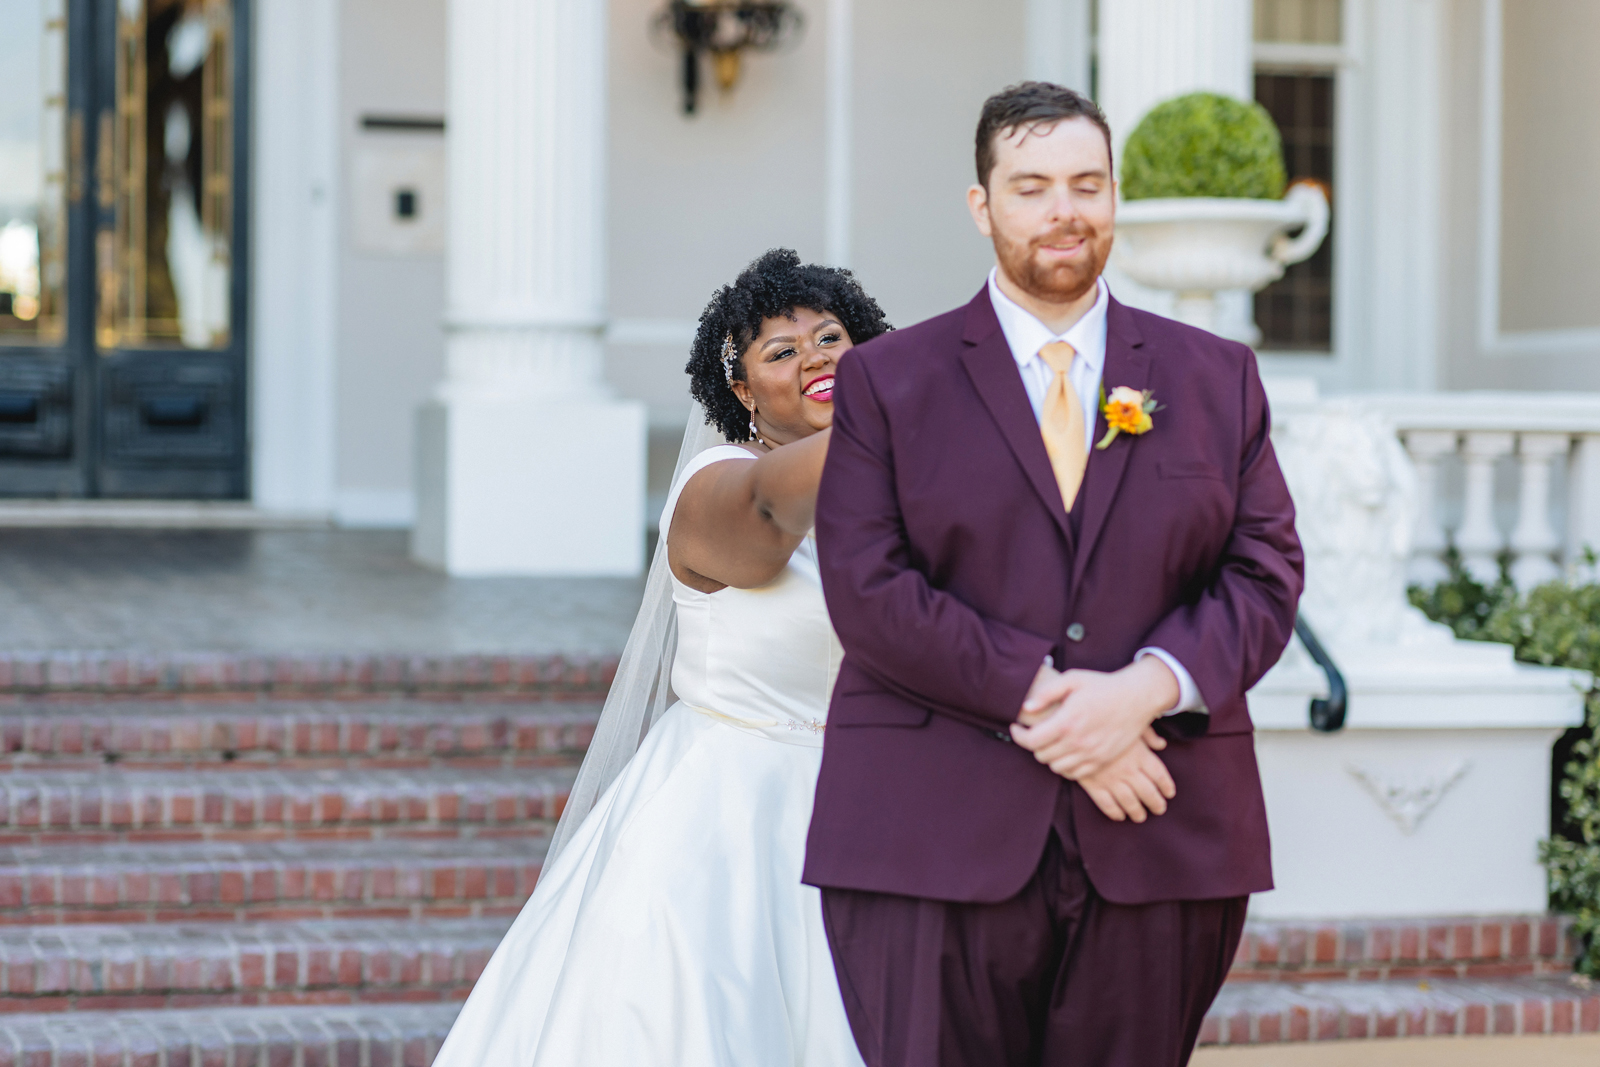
(1026, 335)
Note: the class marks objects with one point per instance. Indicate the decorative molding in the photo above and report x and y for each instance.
(294, 165)
(838, 210)
(1491, 338)
(1057, 46)
(1397, 342)
(1408, 800)
(1285, 55)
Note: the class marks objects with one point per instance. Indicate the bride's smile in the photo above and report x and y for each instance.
(820, 389)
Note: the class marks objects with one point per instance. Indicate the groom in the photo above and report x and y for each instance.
(1021, 866)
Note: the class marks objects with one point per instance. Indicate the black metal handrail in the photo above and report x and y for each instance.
(1327, 714)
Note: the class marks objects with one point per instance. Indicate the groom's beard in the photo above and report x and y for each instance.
(1056, 283)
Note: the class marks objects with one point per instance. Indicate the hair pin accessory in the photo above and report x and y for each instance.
(729, 354)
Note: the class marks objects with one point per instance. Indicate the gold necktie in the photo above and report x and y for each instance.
(1061, 423)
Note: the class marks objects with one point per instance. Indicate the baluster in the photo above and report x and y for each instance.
(1428, 540)
(1479, 540)
(1534, 541)
(1583, 506)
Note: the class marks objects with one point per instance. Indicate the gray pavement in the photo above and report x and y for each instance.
(285, 591)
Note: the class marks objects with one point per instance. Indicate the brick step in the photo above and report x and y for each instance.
(1249, 1013)
(351, 732)
(172, 673)
(362, 1035)
(409, 1035)
(218, 881)
(117, 804)
(143, 965)
(1478, 946)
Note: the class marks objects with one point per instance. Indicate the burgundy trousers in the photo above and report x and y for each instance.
(1054, 977)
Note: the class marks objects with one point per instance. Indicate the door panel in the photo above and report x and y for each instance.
(122, 363)
(171, 368)
(34, 135)
(45, 152)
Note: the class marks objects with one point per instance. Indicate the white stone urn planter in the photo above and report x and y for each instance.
(1199, 246)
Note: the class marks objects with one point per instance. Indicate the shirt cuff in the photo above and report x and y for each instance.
(1189, 698)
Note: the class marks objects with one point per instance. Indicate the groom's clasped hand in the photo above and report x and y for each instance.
(1094, 728)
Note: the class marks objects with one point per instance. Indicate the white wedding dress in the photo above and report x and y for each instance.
(673, 929)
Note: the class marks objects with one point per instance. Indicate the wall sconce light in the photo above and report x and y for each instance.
(724, 29)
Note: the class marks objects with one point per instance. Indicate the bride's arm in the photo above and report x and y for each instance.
(737, 523)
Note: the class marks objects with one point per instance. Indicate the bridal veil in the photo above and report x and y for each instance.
(642, 689)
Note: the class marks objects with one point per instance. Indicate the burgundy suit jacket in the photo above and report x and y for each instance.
(951, 569)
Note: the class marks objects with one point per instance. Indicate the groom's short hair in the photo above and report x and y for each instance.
(1031, 104)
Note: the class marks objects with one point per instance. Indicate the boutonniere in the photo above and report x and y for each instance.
(1127, 410)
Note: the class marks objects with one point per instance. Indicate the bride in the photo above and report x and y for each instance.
(669, 926)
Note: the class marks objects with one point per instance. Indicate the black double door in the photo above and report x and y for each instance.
(122, 248)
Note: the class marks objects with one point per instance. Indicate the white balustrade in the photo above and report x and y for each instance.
(1479, 539)
(1444, 737)
(1534, 540)
(1545, 441)
(1431, 540)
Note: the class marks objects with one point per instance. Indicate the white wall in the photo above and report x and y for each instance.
(391, 303)
(920, 83)
(695, 198)
(349, 340)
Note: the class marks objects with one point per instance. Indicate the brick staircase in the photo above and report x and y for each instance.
(253, 860)
(248, 861)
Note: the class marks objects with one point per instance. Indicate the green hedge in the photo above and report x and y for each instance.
(1204, 144)
(1557, 625)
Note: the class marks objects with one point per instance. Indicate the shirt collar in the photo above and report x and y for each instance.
(1025, 334)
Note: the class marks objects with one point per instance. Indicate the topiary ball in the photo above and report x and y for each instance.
(1204, 144)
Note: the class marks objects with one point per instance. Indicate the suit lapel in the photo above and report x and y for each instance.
(994, 373)
(1127, 363)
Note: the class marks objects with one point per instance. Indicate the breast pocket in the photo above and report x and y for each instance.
(1188, 468)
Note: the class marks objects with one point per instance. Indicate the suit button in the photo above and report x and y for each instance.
(1075, 632)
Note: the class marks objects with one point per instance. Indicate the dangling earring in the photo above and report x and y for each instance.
(755, 434)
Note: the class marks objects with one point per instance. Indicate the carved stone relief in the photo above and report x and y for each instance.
(1408, 798)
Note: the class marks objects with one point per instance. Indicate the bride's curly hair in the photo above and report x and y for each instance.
(775, 284)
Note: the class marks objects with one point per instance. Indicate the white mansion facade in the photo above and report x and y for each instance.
(437, 262)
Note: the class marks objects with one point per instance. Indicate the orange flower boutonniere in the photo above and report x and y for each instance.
(1127, 410)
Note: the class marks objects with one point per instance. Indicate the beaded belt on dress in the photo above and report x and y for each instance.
(800, 726)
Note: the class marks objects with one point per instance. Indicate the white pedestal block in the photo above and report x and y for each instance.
(1432, 800)
(551, 487)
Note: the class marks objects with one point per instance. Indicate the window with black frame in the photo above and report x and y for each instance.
(1298, 52)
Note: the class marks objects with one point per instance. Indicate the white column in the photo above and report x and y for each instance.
(1534, 540)
(1428, 541)
(1152, 50)
(526, 463)
(1479, 540)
